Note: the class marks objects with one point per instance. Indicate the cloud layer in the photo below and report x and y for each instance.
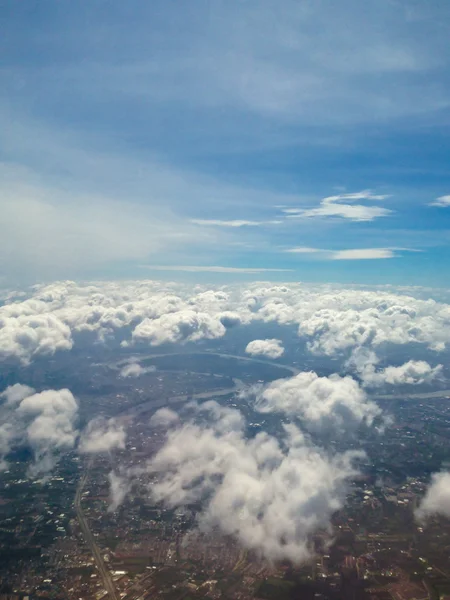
(333, 320)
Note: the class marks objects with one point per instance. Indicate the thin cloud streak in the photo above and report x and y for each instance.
(351, 253)
(442, 201)
(233, 223)
(304, 250)
(340, 206)
(363, 254)
(213, 269)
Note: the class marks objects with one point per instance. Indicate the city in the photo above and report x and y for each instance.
(60, 539)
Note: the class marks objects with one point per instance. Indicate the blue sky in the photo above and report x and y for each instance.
(301, 141)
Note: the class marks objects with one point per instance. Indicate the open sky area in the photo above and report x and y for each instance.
(218, 140)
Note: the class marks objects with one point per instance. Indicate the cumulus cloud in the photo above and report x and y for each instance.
(102, 435)
(28, 335)
(14, 394)
(333, 320)
(271, 348)
(134, 369)
(45, 421)
(186, 325)
(413, 372)
(53, 415)
(351, 253)
(340, 320)
(437, 498)
(322, 402)
(272, 497)
(50, 316)
(164, 417)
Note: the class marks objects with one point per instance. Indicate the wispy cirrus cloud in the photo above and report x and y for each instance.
(442, 201)
(304, 250)
(233, 222)
(342, 206)
(348, 254)
(213, 128)
(363, 254)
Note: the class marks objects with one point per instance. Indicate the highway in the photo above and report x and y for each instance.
(90, 541)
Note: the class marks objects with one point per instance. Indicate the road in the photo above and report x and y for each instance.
(108, 583)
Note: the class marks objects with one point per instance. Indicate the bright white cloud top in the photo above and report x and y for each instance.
(324, 403)
(271, 348)
(332, 319)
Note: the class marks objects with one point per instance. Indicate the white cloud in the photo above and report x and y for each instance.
(442, 201)
(324, 403)
(233, 223)
(102, 435)
(339, 206)
(437, 497)
(304, 250)
(333, 319)
(350, 254)
(28, 335)
(14, 394)
(164, 417)
(134, 369)
(186, 325)
(413, 372)
(363, 254)
(271, 348)
(47, 422)
(271, 497)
